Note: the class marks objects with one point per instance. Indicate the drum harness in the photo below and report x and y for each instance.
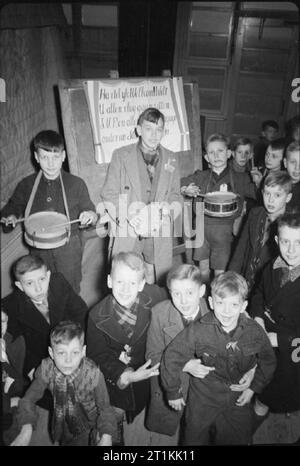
(33, 193)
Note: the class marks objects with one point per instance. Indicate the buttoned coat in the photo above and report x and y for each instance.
(124, 182)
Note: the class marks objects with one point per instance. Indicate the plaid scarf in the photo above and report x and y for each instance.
(151, 159)
(288, 275)
(126, 317)
(69, 419)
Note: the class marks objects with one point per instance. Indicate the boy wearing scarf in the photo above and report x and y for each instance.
(82, 414)
(116, 341)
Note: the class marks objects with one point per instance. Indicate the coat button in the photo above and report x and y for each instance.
(126, 187)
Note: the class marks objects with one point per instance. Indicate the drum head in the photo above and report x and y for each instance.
(41, 231)
(220, 197)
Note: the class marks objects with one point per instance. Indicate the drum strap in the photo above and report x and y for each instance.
(33, 193)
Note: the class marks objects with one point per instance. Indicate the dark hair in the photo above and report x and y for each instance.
(133, 260)
(280, 178)
(27, 264)
(65, 332)
(290, 219)
(242, 142)
(151, 114)
(269, 123)
(217, 137)
(231, 283)
(48, 140)
(278, 144)
(183, 272)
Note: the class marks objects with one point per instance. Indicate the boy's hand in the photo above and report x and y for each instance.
(105, 441)
(191, 190)
(11, 220)
(88, 217)
(196, 369)
(144, 372)
(256, 176)
(245, 397)
(177, 404)
(245, 381)
(24, 437)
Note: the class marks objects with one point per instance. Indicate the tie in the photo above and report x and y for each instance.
(44, 309)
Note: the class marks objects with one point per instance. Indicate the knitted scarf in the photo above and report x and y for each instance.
(69, 419)
(126, 317)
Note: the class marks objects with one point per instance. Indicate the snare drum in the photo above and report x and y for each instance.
(220, 204)
(41, 231)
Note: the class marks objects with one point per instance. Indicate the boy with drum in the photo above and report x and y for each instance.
(53, 190)
(218, 226)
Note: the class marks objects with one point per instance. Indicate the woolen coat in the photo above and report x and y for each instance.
(283, 308)
(124, 180)
(106, 340)
(26, 320)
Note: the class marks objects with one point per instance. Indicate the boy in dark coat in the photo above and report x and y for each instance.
(116, 336)
(42, 299)
(276, 306)
(256, 245)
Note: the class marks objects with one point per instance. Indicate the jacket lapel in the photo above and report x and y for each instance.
(174, 323)
(108, 324)
(31, 317)
(165, 177)
(143, 318)
(131, 167)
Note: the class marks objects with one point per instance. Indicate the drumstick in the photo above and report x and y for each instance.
(252, 163)
(19, 220)
(61, 224)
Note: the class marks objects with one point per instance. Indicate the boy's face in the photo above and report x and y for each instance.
(67, 356)
(50, 162)
(292, 165)
(288, 240)
(186, 295)
(125, 284)
(273, 158)
(275, 199)
(227, 309)
(151, 133)
(242, 154)
(270, 133)
(217, 155)
(35, 284)
(4, 320)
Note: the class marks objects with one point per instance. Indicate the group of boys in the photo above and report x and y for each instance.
(224, 351)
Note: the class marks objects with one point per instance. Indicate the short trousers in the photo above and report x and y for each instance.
(216, 246)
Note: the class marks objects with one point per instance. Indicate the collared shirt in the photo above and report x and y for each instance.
(288, 274)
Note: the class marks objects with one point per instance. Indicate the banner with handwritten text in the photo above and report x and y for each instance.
(115, 105)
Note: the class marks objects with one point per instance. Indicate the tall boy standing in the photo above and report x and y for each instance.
(231, 343)
(54, 190)
(148, 174)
